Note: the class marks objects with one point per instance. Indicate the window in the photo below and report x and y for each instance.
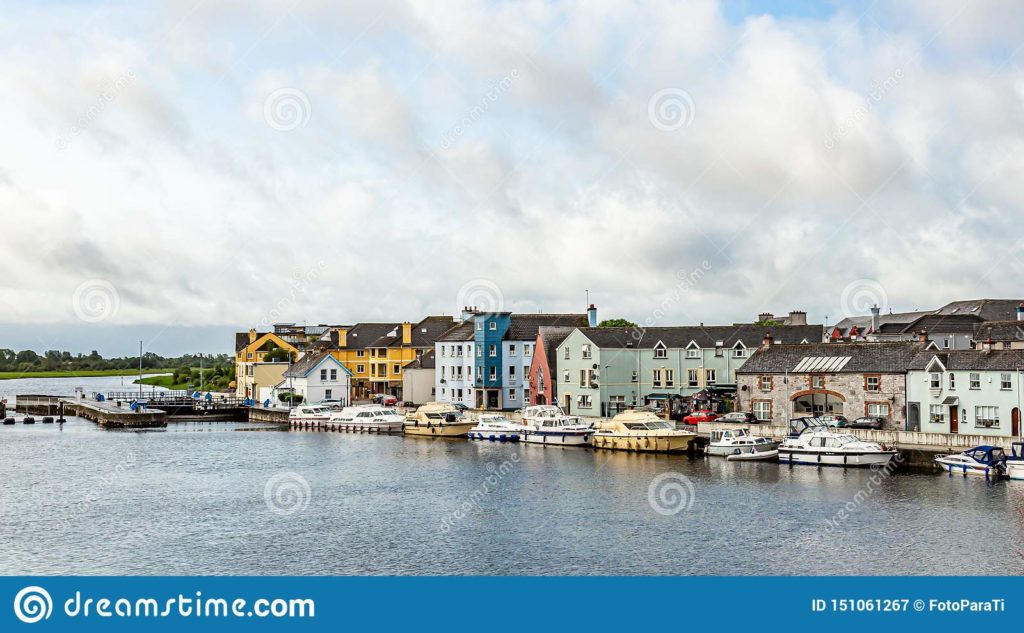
(328, 394)
(493, 373)
(872, 382)
(762, 410)
(458, 394)
(817, 382)
(511, 395)
(458, 350)
(975, 381)
(945, 343)
(660, 351)
(1005, 382)
(691, 378)
(986, 416)
(710, 376)
(936, 381)
(739, 352)
(480, 352)
(937, 414)
(566, 373)
(492, 350)
(511, 373)
(566, 352)
(479, 325)
(323, 375)
(360, 353)
(396, 369)
(249, 355)
(584, 402)
(693, 352)
(670, 376)
(765, 383)
(952, 382)
(360, 369)
(877, 409)
(585, 377)
(527, 349)
(511, 349)
(444, 351)
(586, 350)
(493, 325)
(634, 377)
(656, 377)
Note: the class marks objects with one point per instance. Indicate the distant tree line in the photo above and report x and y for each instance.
(55, 360)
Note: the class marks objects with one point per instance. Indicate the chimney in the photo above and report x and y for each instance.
(768, 341)
(592, 316)
(343, 337)
(252, 336)
(407, 333)
(1020, 312)
(922, 335)
(765, 316)
(797, 317)
(875, 311)
(467, 313)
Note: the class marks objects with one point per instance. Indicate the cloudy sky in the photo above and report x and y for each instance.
(174, 171)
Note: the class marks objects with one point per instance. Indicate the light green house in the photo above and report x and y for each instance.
(601, 371)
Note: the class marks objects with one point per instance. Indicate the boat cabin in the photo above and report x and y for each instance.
(987, 454)
(729, 434)
(800, 425)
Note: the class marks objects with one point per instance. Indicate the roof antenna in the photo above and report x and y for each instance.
(588, 297)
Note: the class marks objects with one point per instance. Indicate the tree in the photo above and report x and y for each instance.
(768, 323)
(616, 323)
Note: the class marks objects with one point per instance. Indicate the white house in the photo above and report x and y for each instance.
(454, 358)
(318, 377)
(418, 379)
(976, 392)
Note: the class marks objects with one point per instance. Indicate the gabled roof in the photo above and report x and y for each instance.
(986, 309)
(972, 360)
(883, 358)
(524, 327)
(550, 337)
(429, 330)
(309, 362)
(892, 321)
(460, 333)
(363, 335)
(999, 331)
(427, 361)
(706, 337)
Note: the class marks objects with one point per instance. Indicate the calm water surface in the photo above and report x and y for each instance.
(192, 499)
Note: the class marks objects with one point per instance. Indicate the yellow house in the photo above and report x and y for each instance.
(377, 353)
(252, 371)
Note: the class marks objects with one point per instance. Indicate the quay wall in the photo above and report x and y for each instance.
(275, 416)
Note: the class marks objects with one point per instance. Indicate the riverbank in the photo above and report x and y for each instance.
(82, 373)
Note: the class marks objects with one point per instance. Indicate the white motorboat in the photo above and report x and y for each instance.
(546, 424)
(370, 418)
(1015, 462)
(982, 461)
(754, 456)
(738, 442)
(309, 414)
(811, 441)
(495, 427)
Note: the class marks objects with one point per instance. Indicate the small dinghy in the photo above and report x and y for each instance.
(982, 461)
(753, 456)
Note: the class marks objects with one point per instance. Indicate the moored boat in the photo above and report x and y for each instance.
(811, 441)
(981, 461)
(370, 418)
(735, 443)
(754, 456)
(550, 427)
(437, 419)
(496, 428)
(641, 431)
(1015, 462)
(309, 414)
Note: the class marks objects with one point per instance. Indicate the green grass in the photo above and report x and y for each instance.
(82, 373)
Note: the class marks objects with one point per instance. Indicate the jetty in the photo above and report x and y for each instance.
(127, 410)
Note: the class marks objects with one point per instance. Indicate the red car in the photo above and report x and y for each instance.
(700, 416)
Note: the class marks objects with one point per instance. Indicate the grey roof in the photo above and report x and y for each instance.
(704, 336)
(306, 363)
(972, 359)
(363, 335)
(551, 336)
(987, 309)
(524, 327)
(891, 319)
(429, 330)
(885, 358)
(426, 361)
(999, 331)
(461, 332)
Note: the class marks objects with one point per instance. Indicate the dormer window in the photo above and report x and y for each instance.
(493, 325)
(660, 351)
(738, 350)
(693, 350)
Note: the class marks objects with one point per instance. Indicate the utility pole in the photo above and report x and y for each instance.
(140, 373)
(201, 382)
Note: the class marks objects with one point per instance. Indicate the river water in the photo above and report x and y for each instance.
(232, 498)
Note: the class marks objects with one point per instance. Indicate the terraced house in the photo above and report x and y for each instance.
(484, 362)
(601, 371)
(256, 368)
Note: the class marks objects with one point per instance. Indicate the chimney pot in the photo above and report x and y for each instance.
(769, 340)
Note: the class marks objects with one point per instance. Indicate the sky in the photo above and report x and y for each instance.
(176, 171)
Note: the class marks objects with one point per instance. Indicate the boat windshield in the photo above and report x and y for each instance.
(494, 419)
(659, 425)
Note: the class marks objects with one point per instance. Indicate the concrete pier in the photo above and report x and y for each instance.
(105, 413)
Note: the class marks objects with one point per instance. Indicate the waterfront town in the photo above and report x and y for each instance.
(952, 369)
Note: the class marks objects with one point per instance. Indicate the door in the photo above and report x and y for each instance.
(567, 404)
(954, 419)
(1016, 422)
(492, 399)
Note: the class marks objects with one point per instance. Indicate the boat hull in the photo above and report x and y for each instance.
(1015, 470)
(439, 430)
(972, 470)
(366, 427)
(825, 458)
(754, 456)
(557, 438)
(663, 444)
(494, 436)
(727, 450)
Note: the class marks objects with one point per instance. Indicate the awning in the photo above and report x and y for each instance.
(951, 401)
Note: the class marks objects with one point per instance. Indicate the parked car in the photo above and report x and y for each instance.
(696, 417)
(839, 421)
(334, 405)
(738, 417)
(867, 422)
(386, 400)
